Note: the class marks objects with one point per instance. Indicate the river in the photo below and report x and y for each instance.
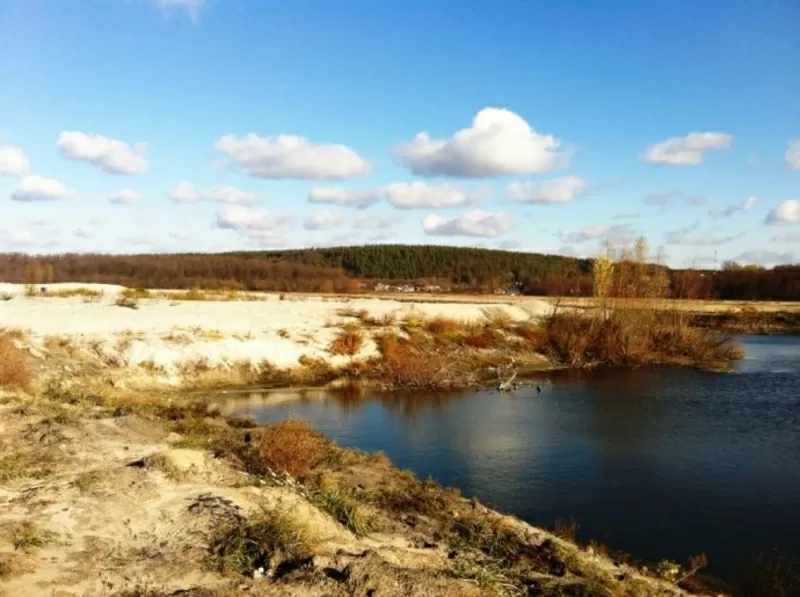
(660, 463)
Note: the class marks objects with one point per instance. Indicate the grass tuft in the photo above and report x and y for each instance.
(241, 547)
(15, 372)
(292, 447)
(348, 341)
(345, 509)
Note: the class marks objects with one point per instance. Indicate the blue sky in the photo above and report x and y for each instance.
(550, 126)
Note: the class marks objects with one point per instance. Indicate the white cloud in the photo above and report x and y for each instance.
(183, 192)
(323, 220)
(473, 223)
(230, 195)
(125, 197)
(769, 258)
(661, 198)
(787, 237)
(620, 234)
(37, 188)
(375, 222)
(111, 155)
(83, 232)
(410, 195)
(786, 212)
(242, 219)
(192, 7)
(380, 237)
(345, 197)
(13, 161)
(180, 236)
(20, 239)
(558, 190)
(291, 156)
(686, 151)
(726, 212)
(693, 237)
(628, 216)
(509, 245)
(499, 142)
(792, 155)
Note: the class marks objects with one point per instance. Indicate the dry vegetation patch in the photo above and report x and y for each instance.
(15, 371)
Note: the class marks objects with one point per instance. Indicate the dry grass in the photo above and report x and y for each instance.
(197, 294)
(28, 537)
(292, 447)
(71, 292)
(136, 293)
(15, 371)
(129, 302)
(244, 546)
(633, 338)
(161, 462)
(566, 529)
(348, 341)
(345, 509)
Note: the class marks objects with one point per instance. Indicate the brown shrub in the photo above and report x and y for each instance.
(566, 529)
(348, 341)
(442, 325)
(15, 371)
(292, 447)
(634, 337)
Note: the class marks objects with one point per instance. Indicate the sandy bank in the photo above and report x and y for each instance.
(163, 332)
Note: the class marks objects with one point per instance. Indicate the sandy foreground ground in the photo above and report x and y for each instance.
(165, 333)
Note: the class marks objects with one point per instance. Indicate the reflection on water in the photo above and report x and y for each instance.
(662, 463)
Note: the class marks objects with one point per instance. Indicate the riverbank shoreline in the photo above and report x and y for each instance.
(188, 500)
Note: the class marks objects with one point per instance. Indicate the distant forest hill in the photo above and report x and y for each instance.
(359, 268)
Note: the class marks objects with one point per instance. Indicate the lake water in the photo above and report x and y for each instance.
(660, 463)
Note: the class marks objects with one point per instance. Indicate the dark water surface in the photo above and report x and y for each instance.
(658, 463)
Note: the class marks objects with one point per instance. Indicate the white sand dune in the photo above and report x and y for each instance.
(165, 332)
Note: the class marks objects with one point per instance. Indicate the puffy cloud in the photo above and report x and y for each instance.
(192, 7)
(402, 195)
(184, 192)
(323, 220)
(37, 188)
(558, 190)
(83, 232)
(792, 155)
(125, 197)
(110, 155)
(498, 143)
(692, 236)
(786, 212)
(20, 239)
(230, 195)
(620, 234)
(770, 258)
(13, 161)
(242, 219)
(726, 212)
(375, 222)
(291, 156)
(345, 197)
(695, 201)
(473, 223)
(410, 195)
(686, 151)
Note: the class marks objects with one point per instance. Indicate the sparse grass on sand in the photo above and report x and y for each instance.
(83, 292)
